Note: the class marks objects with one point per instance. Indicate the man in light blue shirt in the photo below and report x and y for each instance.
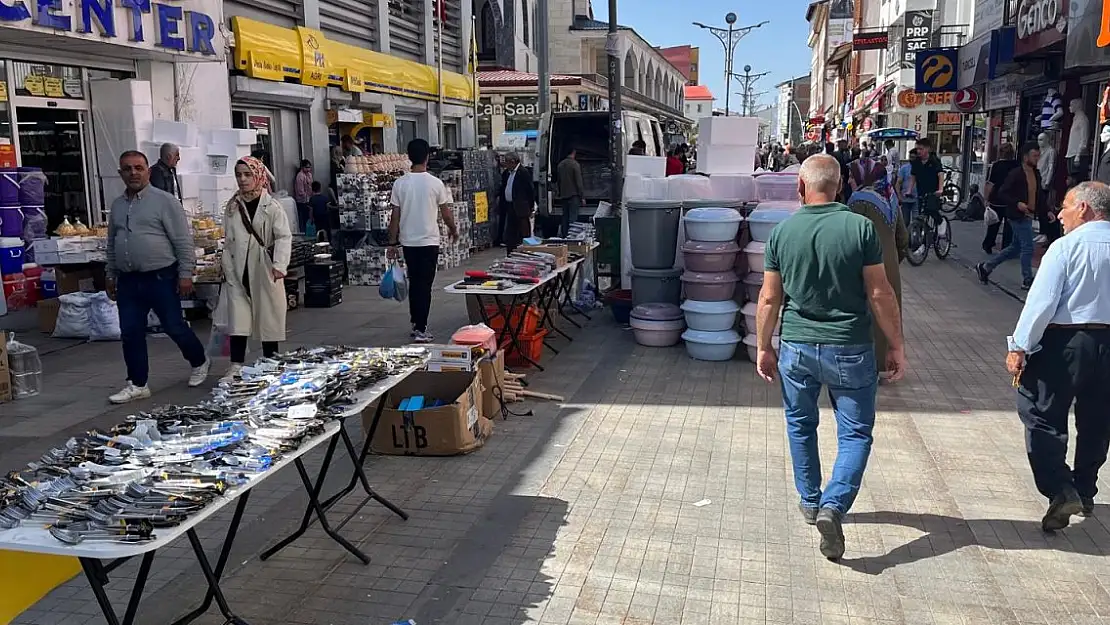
(1060, 354)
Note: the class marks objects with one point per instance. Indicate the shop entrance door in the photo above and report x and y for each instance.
(56, 140)
(262, 122)
(406, 131)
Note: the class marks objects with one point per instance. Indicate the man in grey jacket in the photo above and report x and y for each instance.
(150, 266)
(572, 192)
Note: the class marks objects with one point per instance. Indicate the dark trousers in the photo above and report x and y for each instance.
(238, 345)
(571, 205)
(1073, 366)
(420, 265)
(1049, 228)
(992, 232)
(138, 293)
(303, 212)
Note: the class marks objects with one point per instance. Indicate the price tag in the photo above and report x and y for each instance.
(481, 208)
(302, 411)
(53, 87)
(3, 91)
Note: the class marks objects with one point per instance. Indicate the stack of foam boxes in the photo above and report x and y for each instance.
(727, 145)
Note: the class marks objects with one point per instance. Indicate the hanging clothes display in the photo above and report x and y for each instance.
(1051, 110)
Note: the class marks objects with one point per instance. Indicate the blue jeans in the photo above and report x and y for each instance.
(851, 376)
(1020, 247)
(138, 293)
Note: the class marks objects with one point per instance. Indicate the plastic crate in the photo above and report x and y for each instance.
(531, 344)
(532, 318)
(608, 230)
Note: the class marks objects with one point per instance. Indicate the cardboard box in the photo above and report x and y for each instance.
(456, 355)
(455, 428)
(492, 371)
(78, 279)
(5, 385)
(4, 351)
(558, 250)
(48, 314)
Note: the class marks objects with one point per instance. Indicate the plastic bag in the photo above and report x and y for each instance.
(26, 368)
(990, 217)
(219, 343)
(400, 282)
(310, 229)
(103, 318)
(73, 316)
(386, 289)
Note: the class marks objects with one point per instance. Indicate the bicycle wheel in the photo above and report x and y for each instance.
(919, 242)
(951, 198)
(942, 243)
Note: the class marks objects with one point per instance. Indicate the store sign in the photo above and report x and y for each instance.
(1088, 34)
(989, 15)
(1003, 93)
(910, 100)
(1040, 23)
(180, 27)
(838, 30)
(948, 119)
(870, 41)
(935, 70)
(917, 36)
(919, 122)
(967, 100)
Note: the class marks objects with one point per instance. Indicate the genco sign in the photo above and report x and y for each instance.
(1040, 23)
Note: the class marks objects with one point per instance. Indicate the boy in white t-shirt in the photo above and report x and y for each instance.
(418, 200)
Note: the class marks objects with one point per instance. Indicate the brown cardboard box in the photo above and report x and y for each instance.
(456, 428)
(492, 371)
(48, 314)
(558, 250)
(5, 385)
(76, 279)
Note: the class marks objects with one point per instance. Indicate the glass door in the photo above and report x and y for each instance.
(53, 139)
(262, 122)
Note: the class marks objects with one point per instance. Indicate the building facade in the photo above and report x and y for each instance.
(793, 106)
(686, 59)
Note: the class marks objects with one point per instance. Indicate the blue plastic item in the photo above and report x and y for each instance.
(386, 289)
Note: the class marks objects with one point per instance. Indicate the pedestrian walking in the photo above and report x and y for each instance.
(419, 199)
(907, 195)
(163, 174)
(321, 213)
(1059, 355)
(517, 201)
(572, 190)
(999, 171)
(1022, 197)
(892, 158)
(257, 248)
(302, 191)
(150, 261)
(826, 264)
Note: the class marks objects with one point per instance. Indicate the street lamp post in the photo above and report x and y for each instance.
(729, 37)
(748, 79)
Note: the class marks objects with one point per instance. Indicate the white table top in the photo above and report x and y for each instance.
(519, 289)
(37, 539)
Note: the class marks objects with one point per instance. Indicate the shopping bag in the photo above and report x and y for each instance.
(219, 344)
(386, 289)
(990, 217)
(400, 282)
(310, 229)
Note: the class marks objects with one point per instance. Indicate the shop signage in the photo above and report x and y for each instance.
(935, 70)
(910, 100)
(948, 119)
(838, 30)
(3, 91)
(966, 100)
(918, 35)
(1003, 93)
(920, 123)
(871, 40)
(1040, 23)
(184, 27)
(1088, 34)
(989, 15)
(973, 62)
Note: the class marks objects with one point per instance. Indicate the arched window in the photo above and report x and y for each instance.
(525, 22)
(487, 33)
(630, 71)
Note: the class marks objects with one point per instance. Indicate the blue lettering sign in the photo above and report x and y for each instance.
(16, 12)
(137, 8)
(169, 23)
(201, 32)
(45, 16)
(105, 17)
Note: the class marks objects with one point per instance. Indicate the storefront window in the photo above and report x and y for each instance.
(451, 135)
(522, 114)
(7, 146)
(47, 81)
(485, 122)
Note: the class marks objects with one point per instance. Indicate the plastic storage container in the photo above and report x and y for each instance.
(9, 187)
(709, 255)
(710, 286)
(32, 273)
(712, 224)
(620, 303)
(753, 283)
(11, 255)
(712, 346)
(776, 187)
(749, 311)
(754, 251)
(751, 341)
(657, 325)
(11, 221)
(656, 286)
(653, 232)
(763, 220)
(710, 316)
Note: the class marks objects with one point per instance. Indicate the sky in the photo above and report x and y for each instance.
(778, 47)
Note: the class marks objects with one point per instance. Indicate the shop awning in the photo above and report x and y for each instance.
(872, 98)
(508, 78)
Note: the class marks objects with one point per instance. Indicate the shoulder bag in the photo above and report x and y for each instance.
(269, 249)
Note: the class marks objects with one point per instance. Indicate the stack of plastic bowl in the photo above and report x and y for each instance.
(709, 256)
(760, 224)
(657, 325)
(653, 238)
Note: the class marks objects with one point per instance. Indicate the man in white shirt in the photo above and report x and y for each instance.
(1059, 354)
(892, 159)
(418, 200)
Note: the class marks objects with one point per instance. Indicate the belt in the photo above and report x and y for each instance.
(1079, 326)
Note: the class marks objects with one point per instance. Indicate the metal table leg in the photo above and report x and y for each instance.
(221, 562)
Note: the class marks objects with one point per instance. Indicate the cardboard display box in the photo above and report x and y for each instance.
(558, 250)
(48, 314)
(492, 372)
(78, 278)
(455, 428)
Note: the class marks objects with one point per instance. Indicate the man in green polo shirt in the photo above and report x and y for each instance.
(825, 263)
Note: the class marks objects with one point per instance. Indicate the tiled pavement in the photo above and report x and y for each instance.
(593, 511)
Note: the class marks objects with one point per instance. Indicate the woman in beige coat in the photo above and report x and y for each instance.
(257, 246)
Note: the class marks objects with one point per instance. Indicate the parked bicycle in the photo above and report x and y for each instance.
(929, 229)
(951, 194)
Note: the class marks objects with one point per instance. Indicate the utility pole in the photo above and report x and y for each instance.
(729, 37)
(747, 79)
(616, 137)
(543, 62)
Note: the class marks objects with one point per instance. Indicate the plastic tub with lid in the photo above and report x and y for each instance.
(710, 286)
(33, 274)
(11, 255)
(711, 346)
(751, 341)
(754, 251)
(688, 205)
(712, 224)
(657, 325)
(710, 316)
(709, 255)
(776, 186)
(753, 283)
(764, 219)
(749, 311)
(656, 286)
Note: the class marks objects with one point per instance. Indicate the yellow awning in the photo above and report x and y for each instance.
(270, 52)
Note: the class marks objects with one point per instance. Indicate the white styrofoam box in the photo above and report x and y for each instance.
(647, 166)
(727, 131)
(726, 159)
(113, 188)
(121, 92)
(193, 161)
(733, 186)
(182, 134)
(210, 182)
(190, 185)
(233, 136)
(225, 149)
(689, 187)
(214, 200)
(635, 187)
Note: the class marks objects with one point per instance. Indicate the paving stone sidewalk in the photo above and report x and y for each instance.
(661, 492)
